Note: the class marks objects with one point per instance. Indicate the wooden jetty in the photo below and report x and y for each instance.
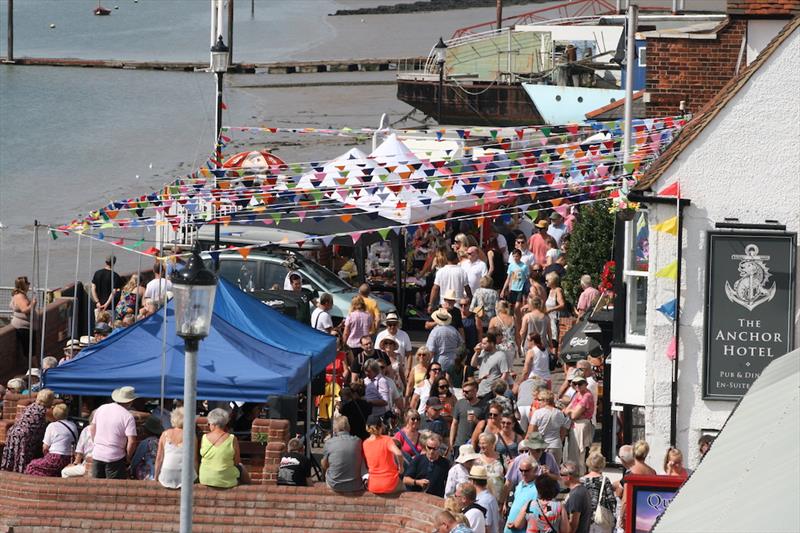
(276, 67)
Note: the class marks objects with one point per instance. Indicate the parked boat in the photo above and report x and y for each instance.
(101, 11)
(551, 66)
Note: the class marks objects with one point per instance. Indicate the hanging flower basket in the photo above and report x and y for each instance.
(626, 214)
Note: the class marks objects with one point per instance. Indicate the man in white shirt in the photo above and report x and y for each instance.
(158, 287)
(449, 277)
(557, 228)
(320, 318)
(393, 330)
(474, 513)
(474, 268)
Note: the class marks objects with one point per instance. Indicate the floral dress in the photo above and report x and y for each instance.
(497, 475)
(24, 441)
(593, 485)
(143, 463)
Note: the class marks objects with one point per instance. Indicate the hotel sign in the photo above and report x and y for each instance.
(749, 315)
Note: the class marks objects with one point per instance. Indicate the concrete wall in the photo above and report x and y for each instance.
(744, 164)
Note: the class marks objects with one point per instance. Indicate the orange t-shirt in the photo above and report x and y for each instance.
(383, 473)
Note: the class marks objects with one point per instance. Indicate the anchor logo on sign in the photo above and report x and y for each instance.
(750, 289)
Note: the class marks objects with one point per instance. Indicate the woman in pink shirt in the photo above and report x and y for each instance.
(357, 324)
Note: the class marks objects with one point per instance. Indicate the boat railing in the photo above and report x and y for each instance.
(561, 12)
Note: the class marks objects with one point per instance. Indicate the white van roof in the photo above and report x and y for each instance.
(255, 234)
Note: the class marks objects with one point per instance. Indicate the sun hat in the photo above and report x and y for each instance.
(555, 215)
(478, 472)
(442, 317)
(124, 395)
(542, 224)
(72, 344)
(450, 295)
(534, 442)
(390, 338)
(577, 376)
(85, 341)
(35, 372)
(434, 402)
(466, 453)
(153, 425)
(391, 317)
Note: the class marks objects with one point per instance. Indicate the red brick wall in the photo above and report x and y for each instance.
(692, 70)
(29, 504)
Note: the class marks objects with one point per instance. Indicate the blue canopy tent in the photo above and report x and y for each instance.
(251, 352)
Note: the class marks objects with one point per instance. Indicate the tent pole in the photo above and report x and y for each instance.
(44, 304)
(35, 270)
(163, 354)
(138, 282)
(74, 329)
(89, 308)
(309, 401)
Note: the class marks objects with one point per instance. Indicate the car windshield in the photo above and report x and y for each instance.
(328, 279)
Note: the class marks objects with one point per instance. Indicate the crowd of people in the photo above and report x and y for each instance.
(473, 415)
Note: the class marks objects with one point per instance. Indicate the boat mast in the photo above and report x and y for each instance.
(499, 11)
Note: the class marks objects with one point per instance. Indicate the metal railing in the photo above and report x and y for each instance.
(6, 294)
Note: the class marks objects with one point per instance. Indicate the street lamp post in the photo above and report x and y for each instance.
(194, 288)
(441, 55)
(219, 66)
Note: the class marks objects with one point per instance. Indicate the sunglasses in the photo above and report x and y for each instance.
(415, 419)
(523, 470)
(493, 415)
(505, 423)
(436, 369)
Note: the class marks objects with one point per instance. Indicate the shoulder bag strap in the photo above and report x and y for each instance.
(550, 525)
(411, 445)
(74, 437)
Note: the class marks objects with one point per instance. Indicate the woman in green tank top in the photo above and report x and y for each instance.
(220, 464)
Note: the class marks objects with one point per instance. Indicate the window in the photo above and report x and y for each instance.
(642, 56)
(274, 274)
(637, 264)
(239, 272)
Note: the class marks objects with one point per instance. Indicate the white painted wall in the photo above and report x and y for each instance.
(745, 164)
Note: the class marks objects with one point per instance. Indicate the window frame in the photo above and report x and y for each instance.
(629, 277)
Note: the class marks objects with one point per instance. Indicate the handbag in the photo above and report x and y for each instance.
(479, 311)
(602, 517)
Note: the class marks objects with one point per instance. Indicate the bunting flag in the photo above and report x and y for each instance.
(669, 309)
(668, 226)
(672, 349)
(673, 190)
(670, 271)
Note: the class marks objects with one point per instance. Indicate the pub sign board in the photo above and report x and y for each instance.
(749, 315)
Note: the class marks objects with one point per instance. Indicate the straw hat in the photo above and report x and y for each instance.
(124, 395)
(85, 341)
(466, 453)
(450, 295)
(388, 338)
(542, 224)
(478, 472)
(577, 377)
(442, 317)
(73, 344)
(392, 318)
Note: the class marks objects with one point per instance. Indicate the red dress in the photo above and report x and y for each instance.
(384, 475)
